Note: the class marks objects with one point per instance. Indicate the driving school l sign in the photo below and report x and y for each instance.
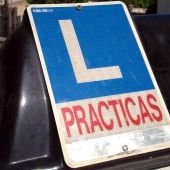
(105, 99)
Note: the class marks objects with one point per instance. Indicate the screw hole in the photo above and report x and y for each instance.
(125, 148)
(79, 7)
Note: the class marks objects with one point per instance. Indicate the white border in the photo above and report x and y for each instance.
(85, 163)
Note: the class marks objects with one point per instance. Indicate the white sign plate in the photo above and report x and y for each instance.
(106, 102)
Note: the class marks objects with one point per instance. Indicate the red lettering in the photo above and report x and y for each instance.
(103, 119)
(113, 103)
(101, 105)
(124, 113)
(80, 120)
(68, 122)
(128, 102)
(159, 115)
(144, 111)
(94, 120)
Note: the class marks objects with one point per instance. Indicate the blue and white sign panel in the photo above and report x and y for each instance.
(105, 99)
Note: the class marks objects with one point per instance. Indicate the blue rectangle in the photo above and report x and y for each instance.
(106, 39)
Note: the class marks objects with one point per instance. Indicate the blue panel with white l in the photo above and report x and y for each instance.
(90, 54)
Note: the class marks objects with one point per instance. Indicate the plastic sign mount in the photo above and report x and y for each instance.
(105, 99)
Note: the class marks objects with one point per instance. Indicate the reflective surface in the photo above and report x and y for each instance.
(28, 135)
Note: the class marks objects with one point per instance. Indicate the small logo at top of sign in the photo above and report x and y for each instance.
(42, 10)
